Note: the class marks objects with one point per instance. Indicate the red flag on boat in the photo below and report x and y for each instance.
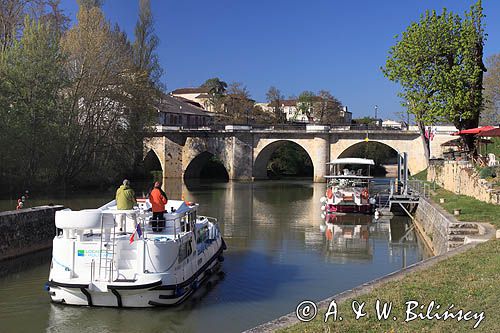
(137, 231)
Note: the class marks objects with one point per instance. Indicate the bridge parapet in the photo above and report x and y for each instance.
(285, 128)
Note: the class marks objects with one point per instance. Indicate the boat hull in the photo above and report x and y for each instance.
(134, 296)
(352, 208)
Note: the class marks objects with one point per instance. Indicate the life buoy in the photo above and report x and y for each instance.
(329, 193)
(364, 193)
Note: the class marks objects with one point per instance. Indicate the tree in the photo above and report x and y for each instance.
(146, 43)
(305, 104)
(101, 69)
(30, 104)
(275, 99)
(217, 88)
(146, 83)
(491, 112)
(238, 104)
(88, 4)
(328, 108)
(12, 15)
(438, 63)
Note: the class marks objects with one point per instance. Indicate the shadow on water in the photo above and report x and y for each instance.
(250, 283)
(26, 262)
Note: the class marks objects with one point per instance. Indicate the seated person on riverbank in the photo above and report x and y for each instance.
(158, 200)
(125, 200)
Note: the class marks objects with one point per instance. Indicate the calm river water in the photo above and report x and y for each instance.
(280, 252)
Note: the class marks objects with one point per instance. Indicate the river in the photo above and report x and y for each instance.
(280, 252)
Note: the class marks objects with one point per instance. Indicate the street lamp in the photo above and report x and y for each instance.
(247, 111)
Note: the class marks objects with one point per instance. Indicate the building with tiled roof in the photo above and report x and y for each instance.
(175, 111)
(199, 95)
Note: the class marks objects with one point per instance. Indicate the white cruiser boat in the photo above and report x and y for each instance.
(110, 257)
(348, 191)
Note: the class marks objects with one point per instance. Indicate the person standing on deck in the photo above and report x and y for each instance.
(125, 200)
(158, 200)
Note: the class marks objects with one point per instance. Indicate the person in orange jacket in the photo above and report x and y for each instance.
(158, 200)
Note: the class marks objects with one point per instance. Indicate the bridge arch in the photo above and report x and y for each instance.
(416, 159)
(195, 168)
(385, 156)
(262, 159)
(316, 147)
(153, 162)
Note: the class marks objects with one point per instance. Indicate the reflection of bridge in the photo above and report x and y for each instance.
(245, 151)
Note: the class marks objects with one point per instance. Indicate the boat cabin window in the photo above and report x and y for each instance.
(185, 250)
(185, 223)
(202, 234)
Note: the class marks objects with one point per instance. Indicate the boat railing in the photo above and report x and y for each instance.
(212, 220)
(105, 222)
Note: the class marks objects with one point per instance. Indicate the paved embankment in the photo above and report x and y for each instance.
(27, 230)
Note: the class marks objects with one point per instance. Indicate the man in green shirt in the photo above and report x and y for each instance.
(125, 200)
(125, 196)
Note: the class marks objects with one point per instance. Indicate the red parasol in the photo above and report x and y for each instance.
(477, 130)
(491, 132)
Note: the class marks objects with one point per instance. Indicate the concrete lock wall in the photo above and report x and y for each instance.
(434, 225)
(27, 230)
(461, 179)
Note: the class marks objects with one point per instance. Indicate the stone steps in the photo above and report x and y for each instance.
(463, 225)
(458, 231)
(463, 231)
(456, 238)
(454, 245)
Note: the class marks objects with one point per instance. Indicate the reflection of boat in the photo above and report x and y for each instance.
(348, 236)
(348, 190)
(110, 257)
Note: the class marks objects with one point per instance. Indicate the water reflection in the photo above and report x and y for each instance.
(277, 256)
(350, 237)
(347, 237)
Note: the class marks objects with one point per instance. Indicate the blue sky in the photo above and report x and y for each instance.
(294, 45)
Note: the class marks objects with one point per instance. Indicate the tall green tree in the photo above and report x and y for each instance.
(438, 63)
(305, 104)
(30, 104)
(217, 89)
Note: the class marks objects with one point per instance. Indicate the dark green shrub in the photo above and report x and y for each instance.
(487, 172)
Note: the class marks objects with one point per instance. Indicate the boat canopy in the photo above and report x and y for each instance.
(348, 177)
(352, 160)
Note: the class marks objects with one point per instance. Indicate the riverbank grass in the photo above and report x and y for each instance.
(471, 210)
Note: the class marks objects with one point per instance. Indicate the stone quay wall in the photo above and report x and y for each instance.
(27, 230)
(462, 179)
(434, 225)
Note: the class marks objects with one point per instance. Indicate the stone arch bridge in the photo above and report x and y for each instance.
(245, 151)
